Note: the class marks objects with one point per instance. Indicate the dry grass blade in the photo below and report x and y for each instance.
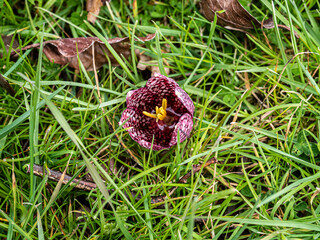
(285, 67)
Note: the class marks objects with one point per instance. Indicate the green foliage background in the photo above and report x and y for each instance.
(265, 135)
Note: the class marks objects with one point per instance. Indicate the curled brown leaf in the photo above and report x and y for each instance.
(93, 8)
(91, 50)
(232, 15)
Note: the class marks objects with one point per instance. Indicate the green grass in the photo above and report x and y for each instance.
(266, 135)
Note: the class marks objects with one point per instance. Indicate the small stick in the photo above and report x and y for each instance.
(55, 176)
(88, 186)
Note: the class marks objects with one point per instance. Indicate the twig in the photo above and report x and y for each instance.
(89, 186)
(55, 176)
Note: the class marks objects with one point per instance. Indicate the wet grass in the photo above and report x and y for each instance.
(257, 112)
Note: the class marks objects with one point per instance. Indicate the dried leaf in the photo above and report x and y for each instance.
(146, 62)
(7, 42)
(93, 7)
(6, 86)
(65, 51)
(232, 15)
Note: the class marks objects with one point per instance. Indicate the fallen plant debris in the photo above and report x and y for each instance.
(4, 84)
(89, 186)
(6, 40)
(91, 50)
(232, 15)
(146, 62)
(93, 8)
(55, 176)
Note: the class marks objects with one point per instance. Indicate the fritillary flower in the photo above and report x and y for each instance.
(157, 112)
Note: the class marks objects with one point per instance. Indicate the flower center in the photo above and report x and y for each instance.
(161, 112)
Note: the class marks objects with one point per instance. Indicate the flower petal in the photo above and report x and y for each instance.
(147, 144)
(184, 100)
(142, 99)
(161, 85)
(184, 126)
(165, 87)
(139, 134)
(144, 137)
(144, 129)
(135, 119)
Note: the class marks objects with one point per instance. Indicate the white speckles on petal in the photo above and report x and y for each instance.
(130, 93)
(177, 92)
(184, 126)
(185, 100)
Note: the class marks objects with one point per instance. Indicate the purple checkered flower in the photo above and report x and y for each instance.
(158, 111)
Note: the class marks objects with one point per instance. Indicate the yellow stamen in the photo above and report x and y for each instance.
(161, 112)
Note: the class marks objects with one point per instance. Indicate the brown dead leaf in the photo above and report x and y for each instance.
(93, 8)
(146, 62)
(7, 43)
(4, 84)
(232, 15)
(65, 51)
